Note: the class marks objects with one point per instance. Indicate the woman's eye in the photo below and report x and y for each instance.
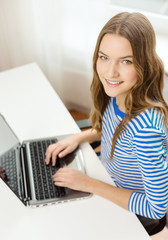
(103, 57)
(127, 62)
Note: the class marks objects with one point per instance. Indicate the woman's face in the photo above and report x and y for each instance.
(115, 67)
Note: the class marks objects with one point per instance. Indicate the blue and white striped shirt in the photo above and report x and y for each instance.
(139, 161)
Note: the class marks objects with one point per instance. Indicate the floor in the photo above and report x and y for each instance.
(78, 115)
(163, 235)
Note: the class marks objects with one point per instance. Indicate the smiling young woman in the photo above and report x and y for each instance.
(130, 116)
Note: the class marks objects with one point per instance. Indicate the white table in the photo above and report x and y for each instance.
(33, 110)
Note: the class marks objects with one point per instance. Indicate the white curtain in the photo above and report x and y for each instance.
(18, 43)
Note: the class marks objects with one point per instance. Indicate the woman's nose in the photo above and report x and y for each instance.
(112, 70)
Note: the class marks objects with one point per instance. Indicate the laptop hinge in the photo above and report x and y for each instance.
(27, 195)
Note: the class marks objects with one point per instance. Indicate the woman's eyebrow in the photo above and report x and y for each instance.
(103, 53)
(128, 56)
(124, 57)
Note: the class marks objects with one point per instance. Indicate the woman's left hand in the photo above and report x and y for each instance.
(71, 178)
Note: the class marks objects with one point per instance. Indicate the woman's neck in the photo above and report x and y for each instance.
(121, 104)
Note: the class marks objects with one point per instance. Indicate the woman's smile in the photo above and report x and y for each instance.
(113, 83)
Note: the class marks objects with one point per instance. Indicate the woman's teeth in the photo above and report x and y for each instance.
(113, 83)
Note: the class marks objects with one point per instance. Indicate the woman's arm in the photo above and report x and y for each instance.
(77, 180)
(89, 135)
(68, 145)
(117, 195)
(153, 203)
(150, 148)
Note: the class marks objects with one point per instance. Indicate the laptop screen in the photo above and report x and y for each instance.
(7, 137)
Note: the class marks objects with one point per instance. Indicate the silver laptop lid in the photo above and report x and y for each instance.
(7, 137)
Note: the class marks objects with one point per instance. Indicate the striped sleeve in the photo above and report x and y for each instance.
(151, 157)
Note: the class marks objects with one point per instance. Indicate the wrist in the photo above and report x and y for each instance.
(88, 136)
(79, 137)
(91, 185)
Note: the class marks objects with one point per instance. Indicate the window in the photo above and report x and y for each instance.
(154, 6)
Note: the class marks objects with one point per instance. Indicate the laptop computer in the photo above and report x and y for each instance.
(28, 176)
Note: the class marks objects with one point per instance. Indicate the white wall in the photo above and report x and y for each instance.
(60, 35)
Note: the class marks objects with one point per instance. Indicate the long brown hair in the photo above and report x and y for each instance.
(148, 91)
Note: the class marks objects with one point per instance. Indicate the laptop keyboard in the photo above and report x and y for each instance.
(42, 173)
(8, 163)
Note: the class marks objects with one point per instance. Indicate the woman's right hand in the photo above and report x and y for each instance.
(61, 148)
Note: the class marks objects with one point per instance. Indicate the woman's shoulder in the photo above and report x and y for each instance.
(150, 118)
